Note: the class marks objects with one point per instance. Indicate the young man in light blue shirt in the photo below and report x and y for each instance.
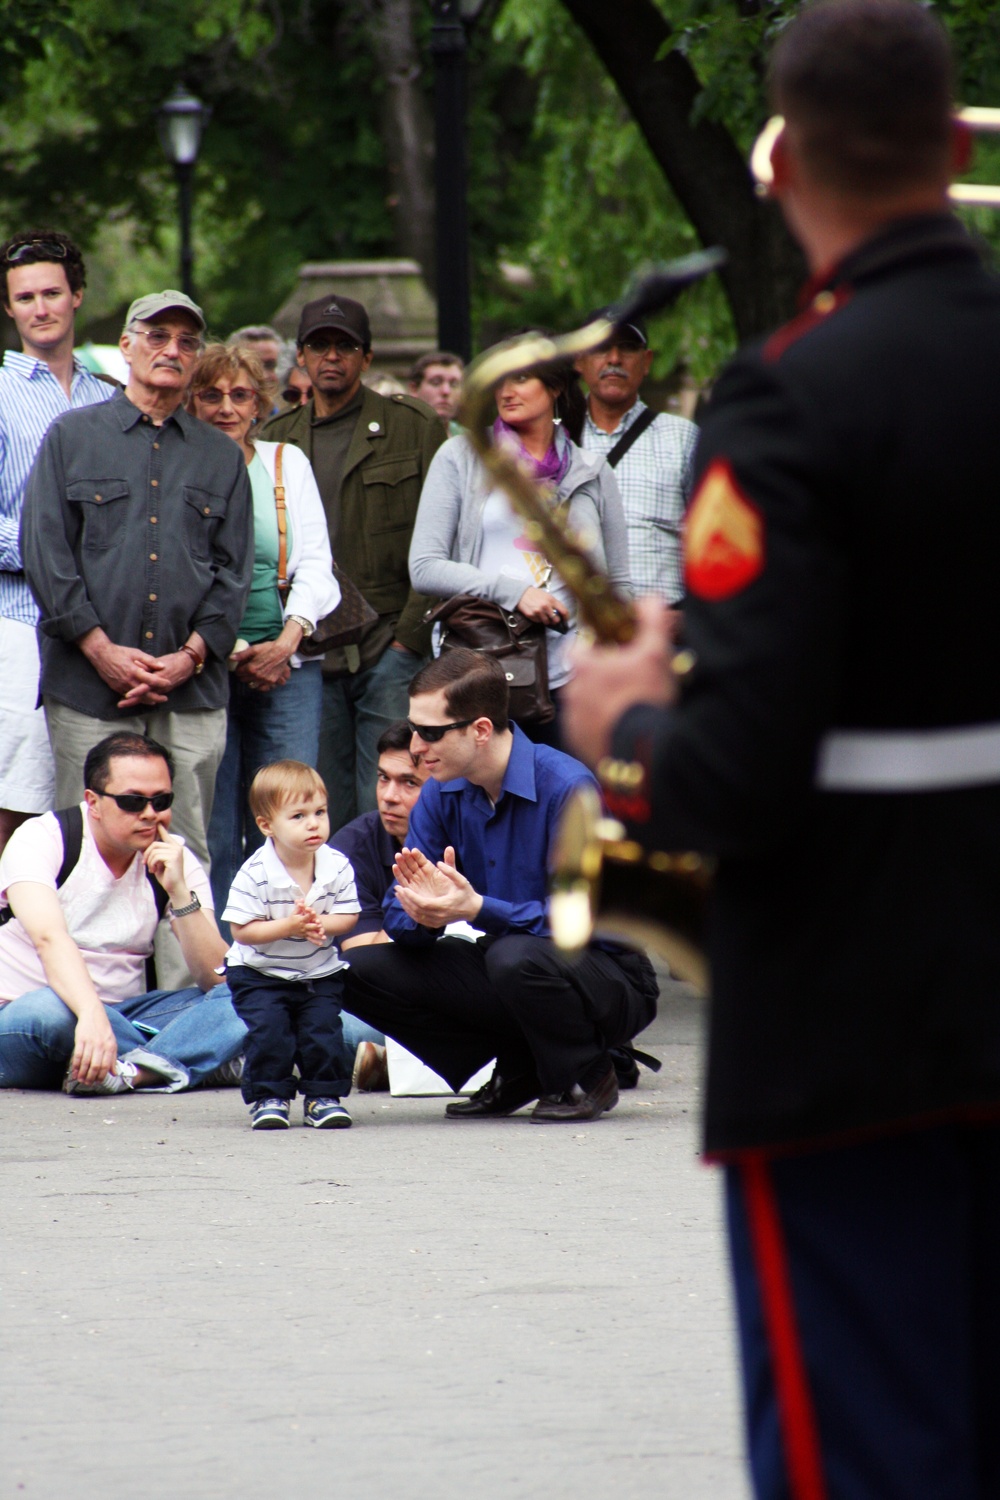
(44, 277)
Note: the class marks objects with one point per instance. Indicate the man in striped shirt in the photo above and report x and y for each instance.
(43, 287)
(651, 455)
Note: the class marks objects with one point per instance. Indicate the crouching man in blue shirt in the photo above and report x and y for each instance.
(478, 851)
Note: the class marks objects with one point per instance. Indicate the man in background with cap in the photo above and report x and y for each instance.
(370, 454)
(137, 539)
(651, 455)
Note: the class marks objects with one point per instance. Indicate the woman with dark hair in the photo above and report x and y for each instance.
(468, 539)
(276, 697)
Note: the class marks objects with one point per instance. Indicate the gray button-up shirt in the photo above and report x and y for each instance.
(144, 530)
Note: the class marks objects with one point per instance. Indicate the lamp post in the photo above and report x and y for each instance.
(180, 122)
(449, 43)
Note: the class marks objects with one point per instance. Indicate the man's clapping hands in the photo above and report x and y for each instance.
(434, 894)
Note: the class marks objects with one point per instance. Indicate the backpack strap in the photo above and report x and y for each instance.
(70, 820)
(624, 443)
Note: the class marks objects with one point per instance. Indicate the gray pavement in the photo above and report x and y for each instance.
(413, 1308)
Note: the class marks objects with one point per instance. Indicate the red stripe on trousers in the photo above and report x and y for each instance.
(795, 1409)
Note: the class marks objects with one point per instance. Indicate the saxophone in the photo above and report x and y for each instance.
(603, 883)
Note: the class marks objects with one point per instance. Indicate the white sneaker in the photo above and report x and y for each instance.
(120, 1080)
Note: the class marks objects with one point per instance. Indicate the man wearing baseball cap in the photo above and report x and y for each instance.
(370, 454)
(137, 537)
(651, 455)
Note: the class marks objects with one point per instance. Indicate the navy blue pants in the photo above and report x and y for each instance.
(288, 1022)
(868, 1291)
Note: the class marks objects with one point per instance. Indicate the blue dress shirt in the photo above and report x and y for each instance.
(502, 850)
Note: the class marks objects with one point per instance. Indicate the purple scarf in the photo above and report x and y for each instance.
(550, 470)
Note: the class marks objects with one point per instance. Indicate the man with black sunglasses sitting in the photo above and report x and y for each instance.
(477, 851)
(82, 893)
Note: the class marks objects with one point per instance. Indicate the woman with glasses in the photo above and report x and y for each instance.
(468, 539)
(276, 697)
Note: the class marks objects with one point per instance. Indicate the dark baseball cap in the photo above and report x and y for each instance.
(633, 329)
(341, 313)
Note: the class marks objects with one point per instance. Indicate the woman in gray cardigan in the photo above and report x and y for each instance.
(468, 539)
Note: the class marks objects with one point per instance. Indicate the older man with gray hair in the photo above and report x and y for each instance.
(137, 538)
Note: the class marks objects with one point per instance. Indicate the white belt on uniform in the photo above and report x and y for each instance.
(908, 760)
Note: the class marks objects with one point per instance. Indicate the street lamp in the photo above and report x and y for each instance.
(450, 19)
(180, 121)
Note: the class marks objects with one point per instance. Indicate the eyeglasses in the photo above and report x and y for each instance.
(239, 396)
(159, 338)
(295, 395)
(48, 248)
(431, 733)
(319, 345)
(136, 802)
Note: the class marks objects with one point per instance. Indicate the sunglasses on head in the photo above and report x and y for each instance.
(48, 248)
(431, 733)
(135, 802)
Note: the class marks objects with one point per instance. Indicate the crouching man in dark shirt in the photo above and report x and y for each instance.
(478, 851)
(371, 843)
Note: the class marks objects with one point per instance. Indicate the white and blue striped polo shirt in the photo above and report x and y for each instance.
(264, 891)
(30, 400)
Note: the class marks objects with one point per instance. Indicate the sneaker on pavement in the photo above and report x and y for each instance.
(226, 1076)
(120, 1080)
(371, 1068)
(269, 1114)
(325, 1114)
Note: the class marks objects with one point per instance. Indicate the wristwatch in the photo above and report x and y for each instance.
(185, 911)
(304, 625)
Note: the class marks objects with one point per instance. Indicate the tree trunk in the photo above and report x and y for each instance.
(700, 161)
(407, 128)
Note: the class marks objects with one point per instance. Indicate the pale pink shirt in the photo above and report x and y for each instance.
(112, 921)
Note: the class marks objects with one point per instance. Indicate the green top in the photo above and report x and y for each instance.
(263, 618)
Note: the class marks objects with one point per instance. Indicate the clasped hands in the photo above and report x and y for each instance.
(308, 924)
(140, 678)
(434, 894)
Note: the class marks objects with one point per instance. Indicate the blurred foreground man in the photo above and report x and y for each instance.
(839, 751)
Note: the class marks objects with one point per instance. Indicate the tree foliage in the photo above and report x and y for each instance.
(299, 161)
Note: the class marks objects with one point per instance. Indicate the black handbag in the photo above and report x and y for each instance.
(343, 626)
(513, 640)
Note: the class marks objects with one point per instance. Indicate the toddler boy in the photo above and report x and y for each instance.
(288, 904)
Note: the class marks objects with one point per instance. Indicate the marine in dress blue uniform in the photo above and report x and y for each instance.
(837, 746)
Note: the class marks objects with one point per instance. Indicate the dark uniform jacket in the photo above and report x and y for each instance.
(394, 440)
(843, 549)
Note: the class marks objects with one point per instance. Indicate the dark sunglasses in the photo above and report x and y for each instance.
(48, 248)
(431, 733)
(135, 802)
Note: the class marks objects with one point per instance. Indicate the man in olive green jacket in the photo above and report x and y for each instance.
(370, 455)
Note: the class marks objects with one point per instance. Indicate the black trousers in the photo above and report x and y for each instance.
(291, 1021)
(456, 1004)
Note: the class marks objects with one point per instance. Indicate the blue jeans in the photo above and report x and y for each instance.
(356, 709)
(280, 725)
(183, 1033)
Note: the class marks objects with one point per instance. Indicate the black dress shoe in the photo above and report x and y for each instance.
(499, 1096)
(626, 1067)
(578, 1103)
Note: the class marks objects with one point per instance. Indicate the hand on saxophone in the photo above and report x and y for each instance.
(607, 680)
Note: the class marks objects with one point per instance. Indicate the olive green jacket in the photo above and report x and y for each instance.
(394, 440)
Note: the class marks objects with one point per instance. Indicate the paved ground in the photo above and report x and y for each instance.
(414, 1308)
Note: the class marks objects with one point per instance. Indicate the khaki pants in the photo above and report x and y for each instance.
(195, 741)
